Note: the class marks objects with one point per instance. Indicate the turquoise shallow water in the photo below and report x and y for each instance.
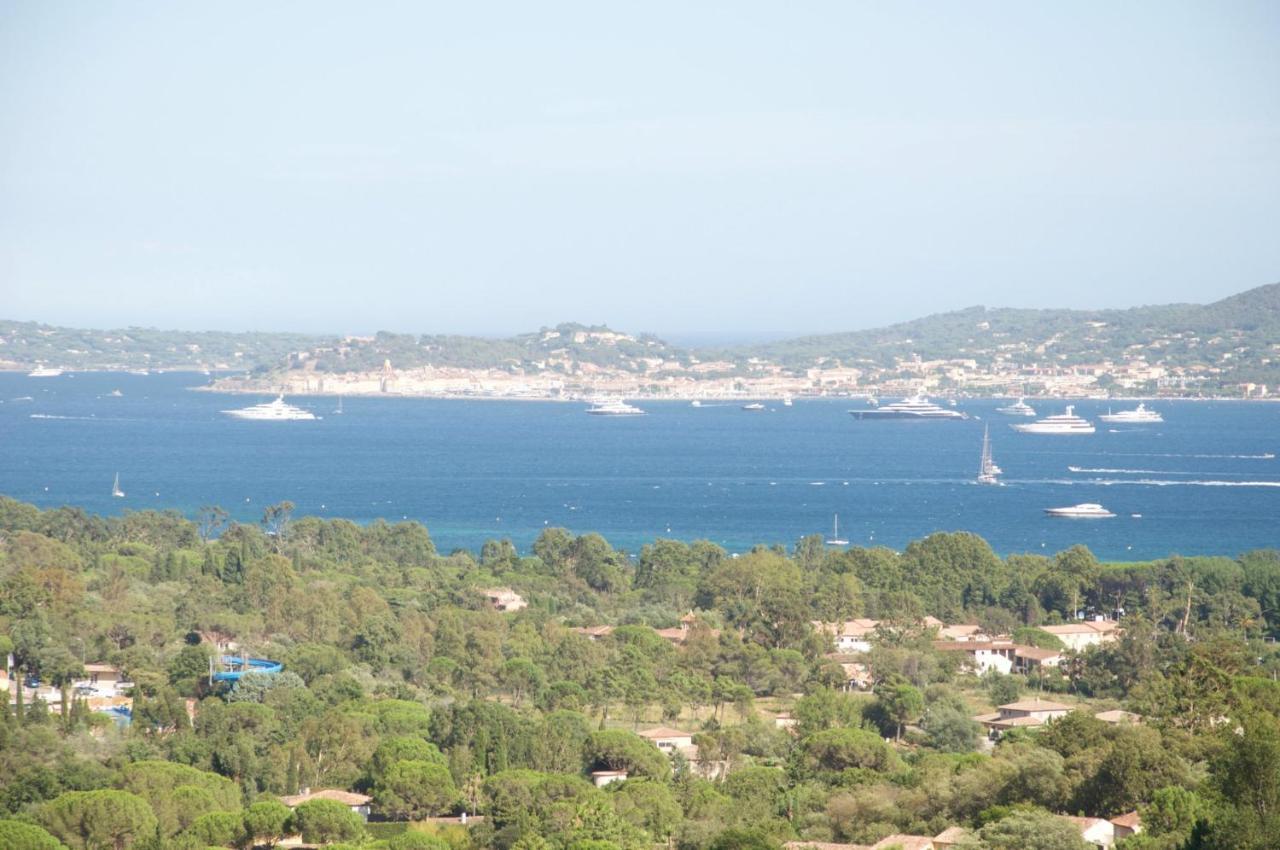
(474, 470)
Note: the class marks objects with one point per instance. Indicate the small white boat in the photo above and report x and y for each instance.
(115, 488)
(339, 410)
(695, 403)
(116, 394)
(787, 401)
(836, 539)
(1088, 510)
(755, 405)
(988, 472)
(44, 372)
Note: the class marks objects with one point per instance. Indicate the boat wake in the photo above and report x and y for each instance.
(1263, 456)
(1103, 470)
(1164, 482)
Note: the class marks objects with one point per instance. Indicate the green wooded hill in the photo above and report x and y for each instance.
(1233, 340)
(1243, 328)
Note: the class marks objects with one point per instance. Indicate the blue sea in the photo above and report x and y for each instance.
(1204, 482)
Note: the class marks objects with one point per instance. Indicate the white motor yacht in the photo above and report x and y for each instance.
(1018, 408)
(1139, 415)
(271, 411)
(613, 407)
(755, 405)
(44, 372)
(1088, 510)
(918, 407)
(1062, 423)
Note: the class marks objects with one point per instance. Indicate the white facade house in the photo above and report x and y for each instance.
(982, 656)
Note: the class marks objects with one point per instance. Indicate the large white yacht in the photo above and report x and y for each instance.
(1062, 423)
(1088, 510)
(272, 411)
(44, 372)
(613, 407)
(1018, 408)
(1139, 415)
(917, 407)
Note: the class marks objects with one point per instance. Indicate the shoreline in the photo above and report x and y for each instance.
(588, 395)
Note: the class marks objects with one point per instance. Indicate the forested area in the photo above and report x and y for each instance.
(402, 682)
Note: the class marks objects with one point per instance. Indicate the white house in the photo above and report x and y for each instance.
(849, 636)
(602, 778)
(982, 656)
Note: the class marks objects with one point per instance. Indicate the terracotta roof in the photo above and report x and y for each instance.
(1036, 653)
(593, 631)
(1035, 704)
(101, 668)
(346, 798)
(1085, 628)
(960, 630)
(664, 732)
(907, 842)
(951, 834)
(986, 718)
(1129, 820)
(1117, 715)
(1019, 721)
(971, 645)
(849, 628)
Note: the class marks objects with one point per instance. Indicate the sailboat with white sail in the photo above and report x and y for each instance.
(836, 539)
(988, 472)
(339, 410)
(115, 488)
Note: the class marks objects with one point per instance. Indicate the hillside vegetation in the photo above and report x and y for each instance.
(402, 682)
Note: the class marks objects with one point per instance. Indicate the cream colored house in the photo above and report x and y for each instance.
(668, 740)
(1023, 713)
(602, 778)
(1099, 832)
(1127, 824)
(504, 599)
(1080, 636)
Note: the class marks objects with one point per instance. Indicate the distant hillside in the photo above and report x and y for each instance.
(24, 345)
(1241, 332)
(1232, 341)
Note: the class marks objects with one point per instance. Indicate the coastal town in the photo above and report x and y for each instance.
(561, 375)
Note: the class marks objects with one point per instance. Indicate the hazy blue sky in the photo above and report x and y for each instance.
(730, 166)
